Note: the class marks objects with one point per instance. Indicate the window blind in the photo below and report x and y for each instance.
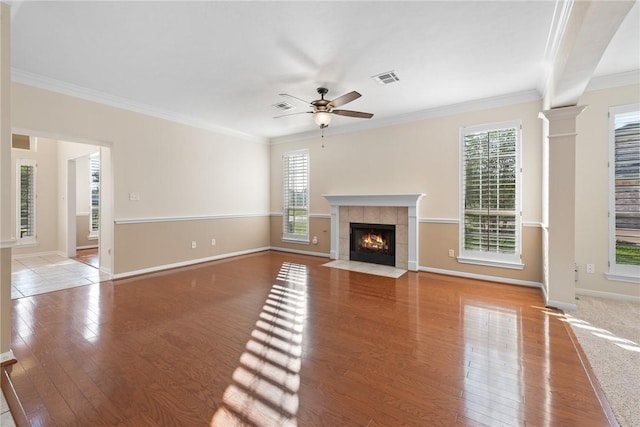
(627, 189)
(490, 201)
(27, 200)
(94, 167)
(295, 195)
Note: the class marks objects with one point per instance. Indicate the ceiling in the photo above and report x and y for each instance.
(223, 64)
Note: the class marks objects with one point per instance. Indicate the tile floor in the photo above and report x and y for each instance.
(367, 267)
(47, 273)
(6, 420)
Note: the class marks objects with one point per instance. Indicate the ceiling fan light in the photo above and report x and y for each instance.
(322, 118)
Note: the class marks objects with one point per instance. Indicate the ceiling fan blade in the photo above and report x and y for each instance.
(293, 114)
(295, 97)
(349, 113)
(348, 97)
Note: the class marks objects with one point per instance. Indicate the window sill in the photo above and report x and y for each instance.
(622, 278)
(491, 263)
(92, 237)
(301, 241)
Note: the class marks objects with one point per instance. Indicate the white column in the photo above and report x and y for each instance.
(334, 252)
(559, 247)
(413, 259)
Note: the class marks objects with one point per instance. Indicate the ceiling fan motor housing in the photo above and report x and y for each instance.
(322, 104)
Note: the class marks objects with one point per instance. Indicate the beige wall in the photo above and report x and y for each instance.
(420, 157)
(177, 170)
(417, 157)
(82, 232)
(318, 226)
(592, 189)
(436, 239)
(147, 245)
(195, 172)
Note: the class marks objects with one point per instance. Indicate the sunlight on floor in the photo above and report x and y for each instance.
(264, 388)
(603, 333)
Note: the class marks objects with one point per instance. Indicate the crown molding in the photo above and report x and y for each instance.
(446, 110)
(36, 80)
(609, 81)
(53, 85)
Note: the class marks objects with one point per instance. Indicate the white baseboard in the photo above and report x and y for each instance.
(186, 263)
(106, 271)
(561, 305)
(296, 251)
(482, 277)
(545, 295)
(87, 247)
(609, 295)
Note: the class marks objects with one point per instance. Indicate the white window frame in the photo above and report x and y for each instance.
(622, 272)
(287, 236)
(28, 240)
(479, 257)
(93, 231)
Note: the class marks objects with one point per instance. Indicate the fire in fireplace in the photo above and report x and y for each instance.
(375, 243)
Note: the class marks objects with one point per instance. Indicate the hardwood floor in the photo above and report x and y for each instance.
(278, 339)
(88, 256)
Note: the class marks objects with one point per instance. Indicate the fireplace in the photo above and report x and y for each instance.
(398, 209)
(375, 243)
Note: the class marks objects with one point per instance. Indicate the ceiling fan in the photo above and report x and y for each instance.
(324, 109)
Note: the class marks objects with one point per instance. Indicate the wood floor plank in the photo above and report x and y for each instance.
(278, 339)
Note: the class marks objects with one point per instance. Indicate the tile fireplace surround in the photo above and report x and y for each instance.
(400, 210)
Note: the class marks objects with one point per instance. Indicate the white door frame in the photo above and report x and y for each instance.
(71, 208)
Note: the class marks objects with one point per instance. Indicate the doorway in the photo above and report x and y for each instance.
(62, 224)
(83, 207)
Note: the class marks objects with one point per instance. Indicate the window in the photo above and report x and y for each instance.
(26, 200)
(295, 196)
(624, 192)
(94, 219)
(490, 196)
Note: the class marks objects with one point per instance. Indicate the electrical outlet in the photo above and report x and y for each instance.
(591, 268)
(452, 253)
(134, 197)
(193, 244)
(213, 242)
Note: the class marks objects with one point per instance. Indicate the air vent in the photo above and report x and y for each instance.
(20, 142)
(283, 106)
(386, 78)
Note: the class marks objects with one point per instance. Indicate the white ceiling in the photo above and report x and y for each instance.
(223, 64)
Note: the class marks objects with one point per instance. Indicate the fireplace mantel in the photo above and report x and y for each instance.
(409, 201)
(405, 200)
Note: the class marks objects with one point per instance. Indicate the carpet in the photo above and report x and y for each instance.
(609, 333)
